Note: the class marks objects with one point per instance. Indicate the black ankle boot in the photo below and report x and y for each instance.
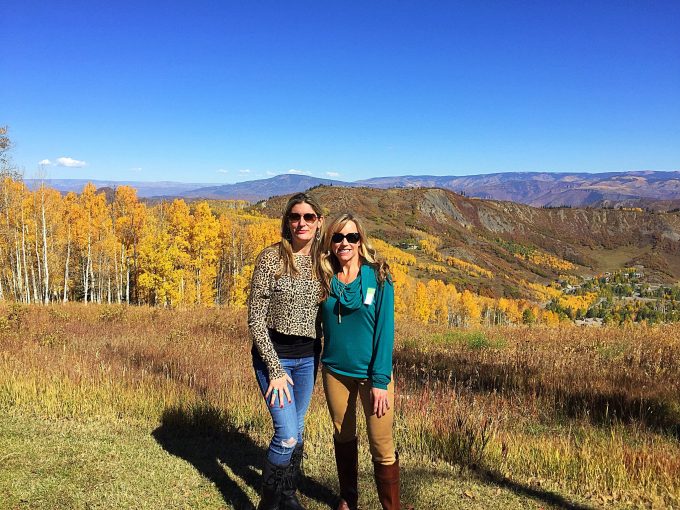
(289, 500)
(273, 480)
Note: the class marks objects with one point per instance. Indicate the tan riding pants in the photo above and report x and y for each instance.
(341, 396)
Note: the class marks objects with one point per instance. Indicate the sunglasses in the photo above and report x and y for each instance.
(308, 217)
(352, 237)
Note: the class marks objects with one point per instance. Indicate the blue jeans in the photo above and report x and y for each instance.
(289, 420)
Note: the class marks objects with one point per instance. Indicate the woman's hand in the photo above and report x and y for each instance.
(380, 402)
(279, 387)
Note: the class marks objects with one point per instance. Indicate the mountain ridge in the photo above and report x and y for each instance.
(645, 188)
(514, 242)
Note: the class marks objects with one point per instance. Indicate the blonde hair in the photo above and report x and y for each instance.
(284, 245)
(329, 263)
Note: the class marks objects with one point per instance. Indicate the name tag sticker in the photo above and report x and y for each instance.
(370, 294)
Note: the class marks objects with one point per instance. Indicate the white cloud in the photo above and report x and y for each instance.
(45, 162)
(136, 169)
(70, 162)
(222, 171)
(244, 171)
(298, 172)
(332, 174)
(270, 173)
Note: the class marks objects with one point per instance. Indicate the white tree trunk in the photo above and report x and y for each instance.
(27, 286)
(46, 275)
(68, 259)
(86, 273)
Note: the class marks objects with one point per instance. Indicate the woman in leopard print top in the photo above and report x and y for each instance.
(284, 323)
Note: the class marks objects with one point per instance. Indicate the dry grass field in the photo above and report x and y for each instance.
(135, 407)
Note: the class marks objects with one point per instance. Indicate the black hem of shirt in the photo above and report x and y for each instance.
(291, 346)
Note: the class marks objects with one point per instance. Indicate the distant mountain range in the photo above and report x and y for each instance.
(144, 189)
(263, 188)
(649, 189)
(553, 189)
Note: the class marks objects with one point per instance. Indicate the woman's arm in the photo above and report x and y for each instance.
(383, 337)
(383, 345)
(258, 307)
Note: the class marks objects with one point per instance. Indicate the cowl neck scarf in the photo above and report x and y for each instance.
(349, 295)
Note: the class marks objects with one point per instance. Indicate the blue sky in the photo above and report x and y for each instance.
(229, 91)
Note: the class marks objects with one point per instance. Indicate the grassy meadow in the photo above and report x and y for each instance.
(136, 407)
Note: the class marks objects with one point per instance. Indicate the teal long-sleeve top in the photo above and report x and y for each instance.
(359, 329)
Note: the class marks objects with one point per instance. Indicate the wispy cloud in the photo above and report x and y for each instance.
(45, 162)
(270, 173)
(70, 162)
(244, 171)
(136, 169)
(222, 171)
(299, 172)
(332, 174)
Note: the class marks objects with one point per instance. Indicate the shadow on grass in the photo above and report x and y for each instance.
(207, 438)
(554, 499)
(490, 478)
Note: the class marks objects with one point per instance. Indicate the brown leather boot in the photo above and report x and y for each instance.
(347, 460)
(387, 481)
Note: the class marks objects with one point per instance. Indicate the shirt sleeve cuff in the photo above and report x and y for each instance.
(380, 382)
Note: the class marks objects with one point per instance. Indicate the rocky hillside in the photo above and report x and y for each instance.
(515, 242)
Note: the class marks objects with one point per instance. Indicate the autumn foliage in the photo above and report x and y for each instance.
(83, 247)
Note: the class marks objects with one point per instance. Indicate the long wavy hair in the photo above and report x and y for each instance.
(329, 262)
(286, 248)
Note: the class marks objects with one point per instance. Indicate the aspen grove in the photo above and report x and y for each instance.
(85, 247)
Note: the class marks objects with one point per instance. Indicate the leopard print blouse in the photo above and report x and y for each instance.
(289, 304)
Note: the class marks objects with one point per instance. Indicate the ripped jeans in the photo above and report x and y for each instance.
(289, 421)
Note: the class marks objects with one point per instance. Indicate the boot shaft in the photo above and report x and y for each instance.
(387, 482)
(347, 461)
(295, 475)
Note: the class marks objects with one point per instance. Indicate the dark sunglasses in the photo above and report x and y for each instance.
(352, 237)
(309, 217)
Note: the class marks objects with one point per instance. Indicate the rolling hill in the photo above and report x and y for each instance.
(516, 243)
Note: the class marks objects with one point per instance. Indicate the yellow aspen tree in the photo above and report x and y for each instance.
(129, 217)
(549, 317)
(470, 308)
(95, 215)
(204, 252)
(239, 292)
(30, 245)
(399, 279)
(257, 236)
(226, 262)
(436, 295)
(179, 222)
(452, 302)
(511, 311)
(51, 216)
(13, 194)
(69, 232)
(158, 277)
(422, 306)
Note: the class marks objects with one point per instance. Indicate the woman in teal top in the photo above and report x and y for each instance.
(358, 324)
